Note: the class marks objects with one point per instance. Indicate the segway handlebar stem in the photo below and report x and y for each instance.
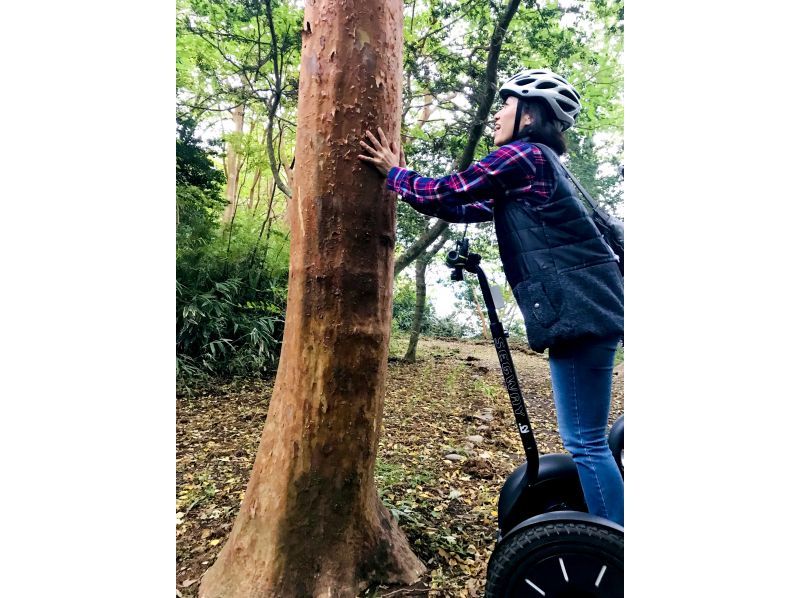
(461, 260)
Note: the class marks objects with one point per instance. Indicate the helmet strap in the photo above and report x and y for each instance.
(517, 119)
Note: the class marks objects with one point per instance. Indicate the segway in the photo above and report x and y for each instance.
(547, 543)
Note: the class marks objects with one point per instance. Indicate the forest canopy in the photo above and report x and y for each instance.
(237, 78)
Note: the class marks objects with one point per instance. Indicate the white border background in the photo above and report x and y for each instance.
(87, 247)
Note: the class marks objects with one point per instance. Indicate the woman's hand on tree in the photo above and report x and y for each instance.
(383, 155)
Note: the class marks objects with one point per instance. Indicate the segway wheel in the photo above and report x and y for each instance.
(558, 560)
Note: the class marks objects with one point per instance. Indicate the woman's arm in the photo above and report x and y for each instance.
(401, 180)
(465, 196)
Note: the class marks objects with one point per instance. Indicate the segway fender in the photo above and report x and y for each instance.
(565, 517)
(556, 487)
(514, 492)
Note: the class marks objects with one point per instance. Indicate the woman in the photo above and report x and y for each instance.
(562, 273)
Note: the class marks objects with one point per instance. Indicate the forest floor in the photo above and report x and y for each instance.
(440, 484)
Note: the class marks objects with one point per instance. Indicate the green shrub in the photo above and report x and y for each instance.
(448, 327)
(231, 280)
(222, 332)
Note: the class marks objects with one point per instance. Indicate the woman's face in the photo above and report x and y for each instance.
(504, 121)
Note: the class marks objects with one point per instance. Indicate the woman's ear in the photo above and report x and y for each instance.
(527, 119)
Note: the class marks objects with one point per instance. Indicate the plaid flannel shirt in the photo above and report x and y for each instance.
(512, 172)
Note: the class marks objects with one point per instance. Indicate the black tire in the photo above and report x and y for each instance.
(558, 560)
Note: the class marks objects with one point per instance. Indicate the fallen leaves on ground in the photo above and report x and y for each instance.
(441, 485)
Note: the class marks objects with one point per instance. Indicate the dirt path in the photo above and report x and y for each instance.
(448, 443)
(533, 372)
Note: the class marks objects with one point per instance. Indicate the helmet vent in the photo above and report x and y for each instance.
(546, 85)
(564, 106)
(568, 95)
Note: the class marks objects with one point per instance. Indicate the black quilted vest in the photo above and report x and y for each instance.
(561, 271)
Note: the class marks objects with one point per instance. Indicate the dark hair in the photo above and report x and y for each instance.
(545, 128)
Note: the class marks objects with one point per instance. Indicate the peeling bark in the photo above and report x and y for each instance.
(311, 522)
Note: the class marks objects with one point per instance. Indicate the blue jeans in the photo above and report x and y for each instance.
(581, 375)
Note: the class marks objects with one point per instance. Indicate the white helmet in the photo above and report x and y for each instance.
(540, 83)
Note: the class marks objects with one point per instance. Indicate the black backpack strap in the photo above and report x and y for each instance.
(548, 152)
(609, 227)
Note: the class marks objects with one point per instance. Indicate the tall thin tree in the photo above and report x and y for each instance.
(419, 308)
(233, 165)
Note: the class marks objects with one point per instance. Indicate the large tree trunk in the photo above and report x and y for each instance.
(311, 522)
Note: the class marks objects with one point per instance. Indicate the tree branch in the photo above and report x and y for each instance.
(485, 100)
(420, 245)
(273, 109)
(429, 255)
